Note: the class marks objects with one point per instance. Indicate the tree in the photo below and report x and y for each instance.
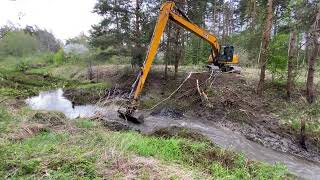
(168, 50)
(114, 29)
(4, 30)
(18, 43)
(80, 39)
(291, 56)
(315, 35)
(278, 55)
(46, 40)
(265, 44)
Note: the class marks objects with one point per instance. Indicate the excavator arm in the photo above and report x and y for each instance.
(167, 12)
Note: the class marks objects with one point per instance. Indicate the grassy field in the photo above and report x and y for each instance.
(43, 145)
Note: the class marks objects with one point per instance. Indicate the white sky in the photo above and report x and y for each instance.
(64, 18)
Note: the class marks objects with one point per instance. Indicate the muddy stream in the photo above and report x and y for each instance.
(55, 101)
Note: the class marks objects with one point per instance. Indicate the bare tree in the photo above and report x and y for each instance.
(291, 56)
(265, 44)
(314, 39)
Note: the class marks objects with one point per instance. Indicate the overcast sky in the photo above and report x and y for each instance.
(64, 18)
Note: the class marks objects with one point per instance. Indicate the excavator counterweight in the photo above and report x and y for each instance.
(220, 57)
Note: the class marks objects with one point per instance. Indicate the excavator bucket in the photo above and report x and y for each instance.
(130, 117)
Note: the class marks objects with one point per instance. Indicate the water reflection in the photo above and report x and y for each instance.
(55, 101)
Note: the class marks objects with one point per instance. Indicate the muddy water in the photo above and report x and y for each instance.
(226, 138)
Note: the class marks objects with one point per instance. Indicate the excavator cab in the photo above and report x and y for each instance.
(226, 54)
(225, 60)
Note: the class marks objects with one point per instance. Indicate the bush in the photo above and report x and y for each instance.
(22, 66)
(58, 57)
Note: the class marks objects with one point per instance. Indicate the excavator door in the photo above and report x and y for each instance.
(227, 55)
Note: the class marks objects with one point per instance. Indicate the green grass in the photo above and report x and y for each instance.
(86, 124)
(7, 122)
(71, 155)
(35, 156)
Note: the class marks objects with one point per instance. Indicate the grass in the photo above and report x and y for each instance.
(86, 124)
(84, 148)
(6, 120)
(291, 112)
(64, 155)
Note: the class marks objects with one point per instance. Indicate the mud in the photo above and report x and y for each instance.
(93, 96)
(167, 112)
(267, 133)
(233, 104)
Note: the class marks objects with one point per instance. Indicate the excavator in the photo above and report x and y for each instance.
(221, 57)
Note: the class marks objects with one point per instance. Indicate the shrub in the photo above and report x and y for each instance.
(22, 66)
(58, 57)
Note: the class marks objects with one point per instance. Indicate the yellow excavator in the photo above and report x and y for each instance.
(221, 57)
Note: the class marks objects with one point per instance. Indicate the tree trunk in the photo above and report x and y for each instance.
(307, 44)
(311, 94)
(303, 133)
(291, 56)
(253, 14)
(225, 24)
(167, 56)
(265, 44)
(137, 14)
(214, 16)
(177, 52)
(275, 30)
